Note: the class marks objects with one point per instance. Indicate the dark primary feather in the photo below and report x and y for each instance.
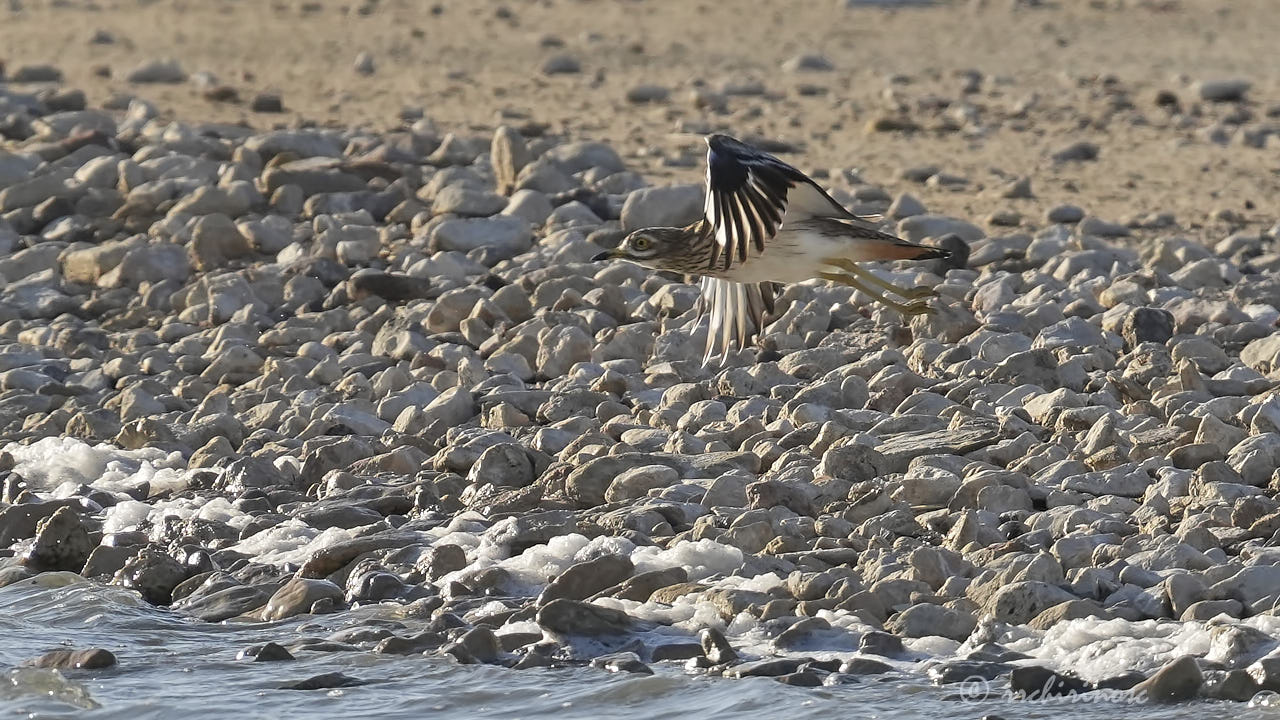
(749, 192)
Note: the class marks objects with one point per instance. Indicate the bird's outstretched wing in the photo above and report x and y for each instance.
(736, 313)
(750, 193)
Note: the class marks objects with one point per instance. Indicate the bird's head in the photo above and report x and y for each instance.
(650, 247)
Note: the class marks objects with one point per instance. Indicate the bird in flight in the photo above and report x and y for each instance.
(767, 223)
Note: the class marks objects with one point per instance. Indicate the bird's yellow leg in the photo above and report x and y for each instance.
(917, 307)
(852, 268)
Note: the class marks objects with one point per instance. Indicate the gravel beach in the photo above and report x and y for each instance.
(298, 318)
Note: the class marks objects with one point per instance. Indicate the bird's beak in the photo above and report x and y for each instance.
(606, 255)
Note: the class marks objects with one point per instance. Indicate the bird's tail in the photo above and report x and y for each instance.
(902, 250)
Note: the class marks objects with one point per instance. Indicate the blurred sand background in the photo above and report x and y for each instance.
(994, 87)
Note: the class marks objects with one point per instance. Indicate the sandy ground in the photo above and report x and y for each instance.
(1080, 70)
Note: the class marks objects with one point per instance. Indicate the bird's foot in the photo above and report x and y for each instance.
(919, 307)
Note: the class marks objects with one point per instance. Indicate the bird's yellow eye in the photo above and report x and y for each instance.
(640, 243)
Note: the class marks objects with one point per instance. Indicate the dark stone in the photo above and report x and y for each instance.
(153, 574)
(957, 255)
(573, 617)
(1033, 682)
(716, 646)
(803, 678)
(18, 522)
(622, 662)
(324, 681)
(459, 652)
(89, 659)
(1236, 685)
(1123, 681)
(944, 673)
(640, 587)
(388, 286)
(396, 645)
(268, 652)
(1179, 680)
(675, 651)
(773, 667)
(880, 643)
(1147, 325)
(827, 666)
(61, 543)
(268, 102)
(482, 644)
(582, 580)
(226, 603)
(865, 666)
(800, 632)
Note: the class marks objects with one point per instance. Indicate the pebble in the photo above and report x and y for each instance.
(640, 94)
(1067, 214)
(267, 102)
(364, 64)
(808, 63)
(1077, 151)
(561, 65)
(167, 71)
(1232, 90)
(36, 74)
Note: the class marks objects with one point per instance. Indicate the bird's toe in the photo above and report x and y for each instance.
(919, 307)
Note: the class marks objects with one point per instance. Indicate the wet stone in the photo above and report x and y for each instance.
(864, 666)
(324, 681)
(88, 659)
(61, 543)
(803, 678)
(1179, 680)
(621, 662)
(675, 651)
(267, 652)
(774, 667)
(716, 647)
(953, 671)
(582, 580)
(573, 617)
(1033, 682)
(880, 643)
(153, 574)
(298, 596)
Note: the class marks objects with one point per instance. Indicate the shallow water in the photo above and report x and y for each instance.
(173, 667)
